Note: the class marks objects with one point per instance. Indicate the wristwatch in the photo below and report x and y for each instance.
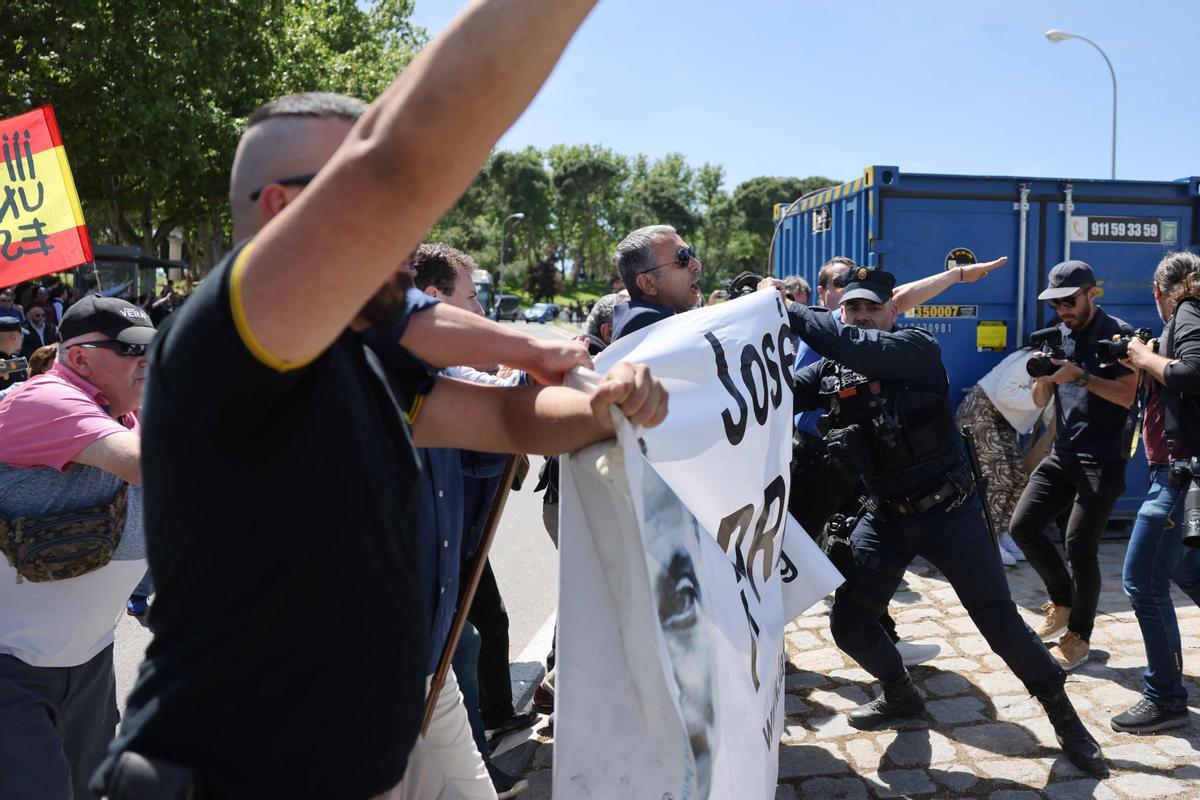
(1082, 380)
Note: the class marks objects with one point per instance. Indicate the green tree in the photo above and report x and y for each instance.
(150, 118)
(587, 184)
(663, 193)
(755, 201)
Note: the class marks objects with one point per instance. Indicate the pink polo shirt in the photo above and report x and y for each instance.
(49, 419)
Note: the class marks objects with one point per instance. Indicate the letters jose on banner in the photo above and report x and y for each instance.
(680, 567)
(41, 222)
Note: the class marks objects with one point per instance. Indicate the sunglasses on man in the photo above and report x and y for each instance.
(120, 348)
(1066, 302)
(682, 258)
(295, 180)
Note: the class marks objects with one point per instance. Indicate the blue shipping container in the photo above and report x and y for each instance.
(913, 225)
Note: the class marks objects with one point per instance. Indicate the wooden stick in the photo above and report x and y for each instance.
(468, 596)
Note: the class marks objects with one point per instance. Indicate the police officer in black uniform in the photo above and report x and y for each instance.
(886, 395)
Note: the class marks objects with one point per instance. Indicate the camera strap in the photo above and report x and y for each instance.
(1171, 400)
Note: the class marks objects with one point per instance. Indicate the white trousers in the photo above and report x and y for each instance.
(445, 763)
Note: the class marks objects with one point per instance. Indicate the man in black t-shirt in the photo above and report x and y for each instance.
(1085, 472)
(290, 634)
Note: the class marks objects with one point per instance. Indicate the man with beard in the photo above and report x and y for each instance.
(1085, 472)
(886, 394)
(290, 633)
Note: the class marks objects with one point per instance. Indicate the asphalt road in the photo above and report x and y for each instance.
(523, 558)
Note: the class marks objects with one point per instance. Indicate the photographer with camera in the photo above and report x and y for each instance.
(1085, 471)
(1157, 550)
(885, 392)
(13, 368)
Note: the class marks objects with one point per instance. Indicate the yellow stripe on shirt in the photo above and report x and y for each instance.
(236, 305)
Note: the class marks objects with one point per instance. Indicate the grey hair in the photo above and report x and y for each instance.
(634, 255)
(794, 284)
(601, 314)
(309, 104)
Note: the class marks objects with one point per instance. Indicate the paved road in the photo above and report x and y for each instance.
(523, 557)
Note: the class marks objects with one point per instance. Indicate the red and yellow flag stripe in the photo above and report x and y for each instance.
(41, 222)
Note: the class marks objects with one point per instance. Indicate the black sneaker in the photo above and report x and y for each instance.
(513, 722)
(1147, 716)
(899, 700)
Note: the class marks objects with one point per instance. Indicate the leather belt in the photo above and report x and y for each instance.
(912, 505)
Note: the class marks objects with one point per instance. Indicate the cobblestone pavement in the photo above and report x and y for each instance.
(982, 735)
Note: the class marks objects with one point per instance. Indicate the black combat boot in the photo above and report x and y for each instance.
(1079, 745)
(898, 700)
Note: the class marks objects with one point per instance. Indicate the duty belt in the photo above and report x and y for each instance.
(952, 486)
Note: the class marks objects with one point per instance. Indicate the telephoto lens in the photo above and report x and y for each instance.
(1040, 366)
(1191, 509)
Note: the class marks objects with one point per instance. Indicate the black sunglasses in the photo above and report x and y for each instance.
(1066, 302)
(295, 180)
(122, 348)
(682, 258)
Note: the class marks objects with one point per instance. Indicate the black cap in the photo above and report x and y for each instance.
(12, 325)
(115, 318)
(865, 283)
(1068, 278)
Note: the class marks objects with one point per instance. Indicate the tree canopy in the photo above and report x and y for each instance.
(151, 95)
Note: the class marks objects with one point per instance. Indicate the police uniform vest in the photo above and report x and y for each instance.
(899, 434)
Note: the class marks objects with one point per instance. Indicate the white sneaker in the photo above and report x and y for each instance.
(912, 653)
(1007, 558)
(1008, 543)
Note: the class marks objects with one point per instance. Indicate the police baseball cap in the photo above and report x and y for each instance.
(115, 318)
(1068, 278)
(12, 325)
(865, 283)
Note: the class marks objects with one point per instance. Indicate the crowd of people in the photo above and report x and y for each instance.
(305, 459)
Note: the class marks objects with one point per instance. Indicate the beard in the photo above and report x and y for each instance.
(387, 306)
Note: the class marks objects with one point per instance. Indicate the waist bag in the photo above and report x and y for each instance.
(66, 544)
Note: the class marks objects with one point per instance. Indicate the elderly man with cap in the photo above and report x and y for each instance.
(71, 535)
(12, 334)
(886, 395)
(1085, 472)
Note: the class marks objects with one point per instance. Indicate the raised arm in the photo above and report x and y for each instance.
(403, 164)
(910, 295)
(879, 354)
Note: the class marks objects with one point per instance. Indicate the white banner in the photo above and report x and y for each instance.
(679, 569)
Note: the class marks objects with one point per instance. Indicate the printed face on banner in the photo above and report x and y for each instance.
(673, 555)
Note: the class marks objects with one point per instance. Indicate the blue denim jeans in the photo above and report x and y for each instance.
(1155, 556)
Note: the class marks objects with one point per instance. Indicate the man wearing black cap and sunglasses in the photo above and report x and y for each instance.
(886, 395)
(1085, 472)
(70, 458)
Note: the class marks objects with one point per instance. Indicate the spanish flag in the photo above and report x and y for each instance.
(41, 223)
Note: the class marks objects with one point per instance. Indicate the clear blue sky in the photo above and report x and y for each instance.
(799, 87)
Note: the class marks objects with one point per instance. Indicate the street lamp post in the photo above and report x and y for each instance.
(1055, 36)
(509, 222)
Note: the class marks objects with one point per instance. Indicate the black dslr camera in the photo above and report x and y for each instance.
(1188, 473)
(1112, 352)
(743, 283)
(1049, 341)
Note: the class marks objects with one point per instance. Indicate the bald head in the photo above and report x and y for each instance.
(285, 139)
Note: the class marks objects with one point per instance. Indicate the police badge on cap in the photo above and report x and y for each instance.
(869, 284)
